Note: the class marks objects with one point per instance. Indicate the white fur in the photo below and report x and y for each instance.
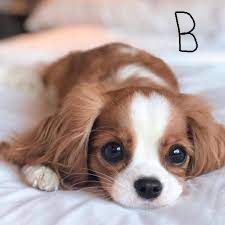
(128, 50)
(41, 177)
(136, 70)
(150, 117)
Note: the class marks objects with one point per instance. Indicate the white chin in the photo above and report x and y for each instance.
(144, 204)
(136, 202)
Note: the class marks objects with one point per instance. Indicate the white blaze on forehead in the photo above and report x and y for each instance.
(136, 70)
(150, 117)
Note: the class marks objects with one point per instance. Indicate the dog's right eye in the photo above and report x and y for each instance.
(113, 152)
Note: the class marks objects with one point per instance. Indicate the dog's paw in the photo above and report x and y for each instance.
(41, 177)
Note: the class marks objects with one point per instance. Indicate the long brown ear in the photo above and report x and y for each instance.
(61, 140)
(207, 136)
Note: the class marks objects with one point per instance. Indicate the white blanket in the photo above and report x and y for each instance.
(21, 106)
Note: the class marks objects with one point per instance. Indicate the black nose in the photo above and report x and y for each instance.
(148, 187)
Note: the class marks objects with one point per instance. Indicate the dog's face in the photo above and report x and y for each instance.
(139, 142)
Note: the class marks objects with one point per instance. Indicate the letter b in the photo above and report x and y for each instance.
(180, 34)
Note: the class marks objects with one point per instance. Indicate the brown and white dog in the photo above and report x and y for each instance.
(122, 119)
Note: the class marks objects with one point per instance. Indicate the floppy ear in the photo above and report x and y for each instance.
(206, 135)
(61, 140)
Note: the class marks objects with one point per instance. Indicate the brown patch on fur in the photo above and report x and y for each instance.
(206, 135)
(176, 133)
(4, 147)
(100, 65)
(193, 127)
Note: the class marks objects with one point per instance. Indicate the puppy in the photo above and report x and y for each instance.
(122, 120)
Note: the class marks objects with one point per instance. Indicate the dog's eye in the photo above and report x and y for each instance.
(176, 155)
(113, 152)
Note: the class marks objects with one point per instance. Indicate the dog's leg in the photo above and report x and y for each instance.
(41, 177)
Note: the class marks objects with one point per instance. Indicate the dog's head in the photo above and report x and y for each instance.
(140, 142)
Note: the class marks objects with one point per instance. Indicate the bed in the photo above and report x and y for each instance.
(23, 104)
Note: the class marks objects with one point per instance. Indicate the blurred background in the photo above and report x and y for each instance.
(149, 24)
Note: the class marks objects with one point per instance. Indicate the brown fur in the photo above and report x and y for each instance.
(100, 65)
(90, 114)
(206, 135)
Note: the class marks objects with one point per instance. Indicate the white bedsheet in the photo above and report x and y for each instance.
(20, 108)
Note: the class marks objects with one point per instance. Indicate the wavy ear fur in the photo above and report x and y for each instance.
(61, 140)
(207, 136)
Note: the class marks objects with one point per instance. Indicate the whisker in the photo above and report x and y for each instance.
(92, 182)
(101, 175)
(105, 175)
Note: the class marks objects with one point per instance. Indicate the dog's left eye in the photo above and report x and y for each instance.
(113, 152)
(176, 155)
